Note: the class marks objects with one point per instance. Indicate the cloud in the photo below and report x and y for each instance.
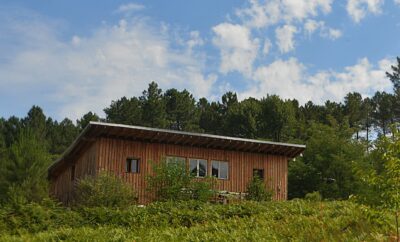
(397, 2)
(333, 33)
(271, 12)
(85, 73)
(237, 49)
(289, 79)
(129, 7)
(311, 26)
(358, 9)
(285, 38)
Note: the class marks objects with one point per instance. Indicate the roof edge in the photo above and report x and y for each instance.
(197, 134)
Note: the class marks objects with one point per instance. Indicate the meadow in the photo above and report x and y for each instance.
(296, 220)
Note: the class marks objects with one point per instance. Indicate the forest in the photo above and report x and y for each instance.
(353, 147)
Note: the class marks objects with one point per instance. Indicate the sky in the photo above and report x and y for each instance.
(71, 57)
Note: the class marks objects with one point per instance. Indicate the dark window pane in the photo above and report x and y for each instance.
(193, 167)
(223, 170)
(135, 165)
(259, 173)
(202, 168)
(215, 165)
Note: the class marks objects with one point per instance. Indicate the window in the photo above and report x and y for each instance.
(259, 173)
(198, 167)
(220, 169)
(72, 172)
(176, 160)
(132, 165)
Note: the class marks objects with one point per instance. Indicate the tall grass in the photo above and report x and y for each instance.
(194, 221)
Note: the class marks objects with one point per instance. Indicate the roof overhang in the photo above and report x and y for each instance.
(153, 135)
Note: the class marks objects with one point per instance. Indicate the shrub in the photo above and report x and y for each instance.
(202, 190)
(105, 190)
(313, 196)
(171, 181)
(257, 191)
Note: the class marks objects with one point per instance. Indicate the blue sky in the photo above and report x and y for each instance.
(71, 57)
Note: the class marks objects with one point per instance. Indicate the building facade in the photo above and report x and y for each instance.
(130, 151)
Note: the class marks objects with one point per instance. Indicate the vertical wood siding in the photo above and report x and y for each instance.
(113, 153)
(61, 187)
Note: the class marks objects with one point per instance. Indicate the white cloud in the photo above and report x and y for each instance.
(285, 38)
(397, 2)
(85, 75)
(267, 13)
(358, 9)
(311, 26)
(237, 49)
(333, 33)
(290, 79)
(130, 7)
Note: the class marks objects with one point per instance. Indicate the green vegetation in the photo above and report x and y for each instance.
(197, 221)
(104, 190)
(256, 190)
(171, 181)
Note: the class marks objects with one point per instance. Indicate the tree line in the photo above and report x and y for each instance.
(337, 134)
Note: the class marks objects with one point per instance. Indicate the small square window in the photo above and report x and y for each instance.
(258, 173)
(132, 165)
(220, 169)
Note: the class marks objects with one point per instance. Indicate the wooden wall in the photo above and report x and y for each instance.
(62, 186)
(112, 155)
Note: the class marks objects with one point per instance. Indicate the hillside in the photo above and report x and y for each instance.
(192, 221)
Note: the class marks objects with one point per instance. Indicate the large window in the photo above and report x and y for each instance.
(220, 169)
(176, 160)
(198, 167)
(132, 165)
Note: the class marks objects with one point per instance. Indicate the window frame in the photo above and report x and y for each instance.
(219, 169)
(197, 175)
(129, 161)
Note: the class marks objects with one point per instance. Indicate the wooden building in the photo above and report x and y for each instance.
(127, 151)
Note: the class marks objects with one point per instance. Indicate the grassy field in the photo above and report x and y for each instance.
(296, 220)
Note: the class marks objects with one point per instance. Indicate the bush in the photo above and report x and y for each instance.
(313, 196)
(172, 182)
(257, 191)
(104, 190)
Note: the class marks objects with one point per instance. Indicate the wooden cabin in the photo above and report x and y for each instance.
(128, 151)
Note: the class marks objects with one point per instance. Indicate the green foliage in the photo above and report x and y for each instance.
(196, 221)
(257, 191)
(313, 196)
(327, 164)
(181, 110)
(23, 170)
(105, 190)
(171, 181)
(381, 173)
(85, 120)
